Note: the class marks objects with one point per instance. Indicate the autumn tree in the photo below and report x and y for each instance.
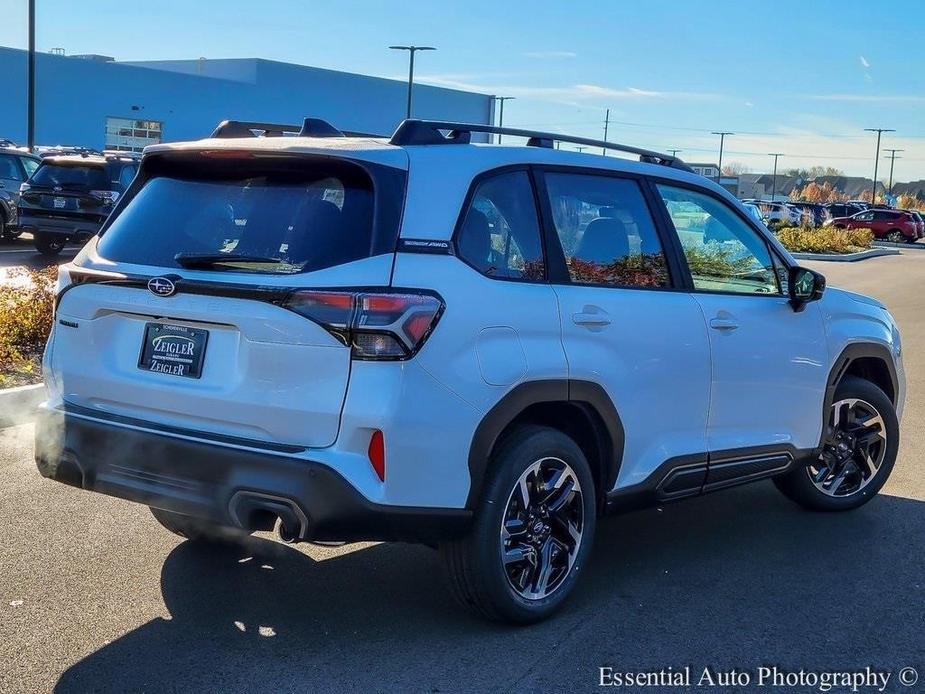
(735, 168)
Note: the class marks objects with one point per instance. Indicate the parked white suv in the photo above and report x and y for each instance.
(473, 346)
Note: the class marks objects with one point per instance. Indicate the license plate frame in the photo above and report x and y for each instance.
(173, 350)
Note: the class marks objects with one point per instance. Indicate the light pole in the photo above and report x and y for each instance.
(774, 175)
(893, 158)
(606, 125)
(722, 137)
(501, 100)
(30, 88)
(411, 51)
(879, 131)
(674, 152)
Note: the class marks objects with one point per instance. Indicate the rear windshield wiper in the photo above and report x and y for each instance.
(200, 260)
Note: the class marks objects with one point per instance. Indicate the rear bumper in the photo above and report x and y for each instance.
(225, 484)
(61, 226)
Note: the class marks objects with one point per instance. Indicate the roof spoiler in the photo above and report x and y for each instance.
(310, 127)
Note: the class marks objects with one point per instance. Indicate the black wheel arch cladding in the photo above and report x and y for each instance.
(590, 400)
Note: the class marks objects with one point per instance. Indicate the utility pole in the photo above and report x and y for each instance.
(893, 158)
(879, 131)
(501, 100)
(411, 51)
(674, 152)
(606, 125)
(722, 137)
(581, 149)
(774, 175)
(30, 88)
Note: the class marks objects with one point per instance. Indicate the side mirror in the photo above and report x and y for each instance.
(804, 285)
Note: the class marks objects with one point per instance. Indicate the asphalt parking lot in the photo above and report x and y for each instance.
(96, 596)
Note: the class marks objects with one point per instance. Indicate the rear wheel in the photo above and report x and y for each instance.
(858, 455)
(197, 530)
(895, 236)
(532, 532)
(7, 233)
(49, 244)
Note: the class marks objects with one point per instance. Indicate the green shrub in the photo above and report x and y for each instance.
(827, 239)
(26, 312)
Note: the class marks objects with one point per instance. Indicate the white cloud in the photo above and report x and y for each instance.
(864, 62)
(571, 94)
(749, 104)
(547, 55)
(871, 98)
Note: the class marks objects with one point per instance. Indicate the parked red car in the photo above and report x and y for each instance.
(890, 225)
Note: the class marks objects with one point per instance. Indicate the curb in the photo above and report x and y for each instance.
(911, 246)
(847, 257)
(19, 405)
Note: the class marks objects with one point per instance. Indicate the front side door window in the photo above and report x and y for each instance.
(723, 253)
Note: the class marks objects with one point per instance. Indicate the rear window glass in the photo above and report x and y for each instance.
(297, 220)
(78, 177)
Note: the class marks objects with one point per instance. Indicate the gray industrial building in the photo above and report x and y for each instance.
(96, 101)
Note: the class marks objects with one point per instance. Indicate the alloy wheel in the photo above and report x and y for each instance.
(541, 529)
(854, 451)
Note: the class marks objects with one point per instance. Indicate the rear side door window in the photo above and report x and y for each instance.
(499, 234)
(606, 231)
(723, 253)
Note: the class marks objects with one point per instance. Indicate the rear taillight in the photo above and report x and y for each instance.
(375, 325)
(108, 197)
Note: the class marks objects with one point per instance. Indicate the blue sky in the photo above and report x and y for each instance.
(802, 78)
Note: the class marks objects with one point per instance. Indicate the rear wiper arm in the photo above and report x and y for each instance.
(195, 260)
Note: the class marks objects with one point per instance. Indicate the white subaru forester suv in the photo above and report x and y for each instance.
(477, 347)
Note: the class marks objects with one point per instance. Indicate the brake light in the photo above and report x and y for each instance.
(375, 325)
(108, 197)
(227, 154)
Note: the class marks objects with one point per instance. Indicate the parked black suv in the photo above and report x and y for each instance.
(69, 197)
(15, 167)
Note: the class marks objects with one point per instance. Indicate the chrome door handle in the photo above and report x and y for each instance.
(591, 319)
(723, 324)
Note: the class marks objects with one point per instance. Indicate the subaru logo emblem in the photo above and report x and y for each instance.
(161, 286)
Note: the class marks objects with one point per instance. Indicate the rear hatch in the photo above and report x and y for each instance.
(180, 312)
(69, 188)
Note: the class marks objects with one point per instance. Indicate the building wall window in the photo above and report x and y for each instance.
(130, 135)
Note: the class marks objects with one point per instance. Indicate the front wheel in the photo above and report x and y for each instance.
(532, 532)
(49, 244)
(896, 236)
(858, 454)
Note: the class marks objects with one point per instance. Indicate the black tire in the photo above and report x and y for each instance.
(49, 244)
(474, 566)
(197, 530)
(895, 236)
(7, 233)
(798, 484)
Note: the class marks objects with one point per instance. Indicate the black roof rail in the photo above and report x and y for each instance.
(413, 131)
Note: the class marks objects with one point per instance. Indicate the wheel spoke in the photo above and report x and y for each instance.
(561, 498)
(545, 568)
(518, 554)
(837, 482)
(513, 528)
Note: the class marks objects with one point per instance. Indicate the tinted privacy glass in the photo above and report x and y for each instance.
(310, 218)
(606, 231)
(75, 177)
(722, 251)
(30, 165)
(500, 235)
(9, 169)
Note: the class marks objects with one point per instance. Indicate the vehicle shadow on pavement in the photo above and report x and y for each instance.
(739, 579)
